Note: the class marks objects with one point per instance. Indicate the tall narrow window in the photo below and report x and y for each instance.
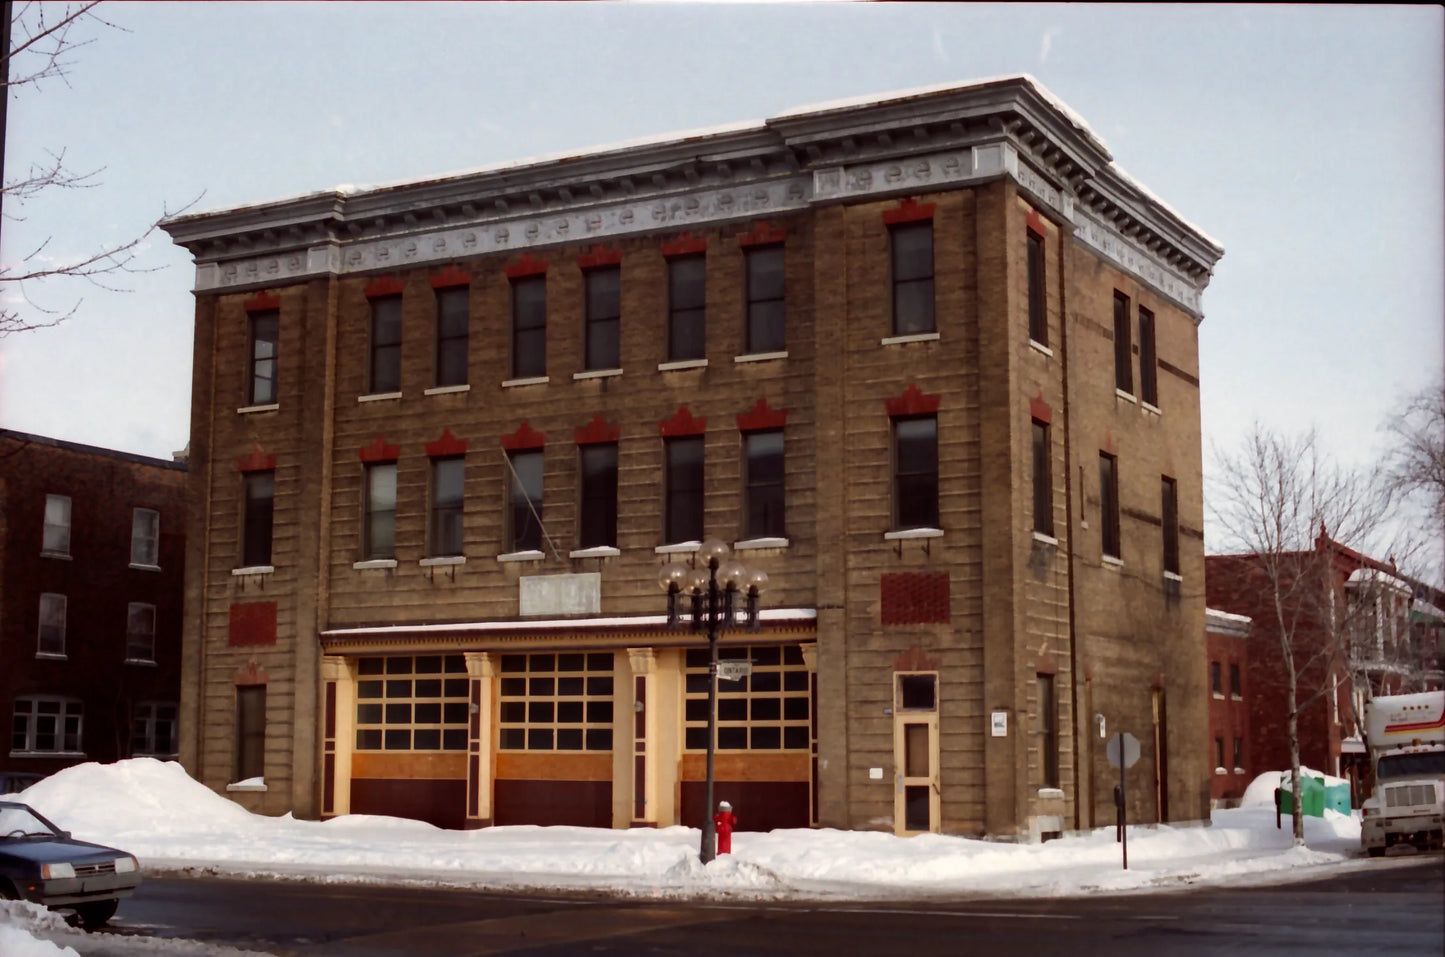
(250, 732)
(451, 357)
(763, 465)
(1038, 314)
(1043, 480)
(145, 536)
(604, 318)
(56, 540)
(1123, 346)
(911, 248)
(1234, 685)
(686, 308)
(765, 332)
(379, 533)
(1048, 733)
(524, 530)
(265, 338)
(915, 472)
(529, 327)
(1109, 503)
(51, 639)
(1169, 512)
(1219, 755)
(256, 521)
(140, 632)
(683, 488)
(445, 534)
(1148, 365)
(598, 526)
(1239, 754)
(1216, 679)
(385, 345)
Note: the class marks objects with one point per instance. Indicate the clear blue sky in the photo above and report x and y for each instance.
(1306, 139)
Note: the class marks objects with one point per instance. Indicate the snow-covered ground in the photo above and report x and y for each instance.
(172, 823)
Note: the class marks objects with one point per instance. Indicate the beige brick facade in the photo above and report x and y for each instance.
(983, 164)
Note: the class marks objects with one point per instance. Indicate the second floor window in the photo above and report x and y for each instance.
(1038, 314)
(378, 538)
(385, 373)
(1169, 513)
(45, 724)
(766, 326)
(915, 472)
(1123, 346)
(1234, 685)
(604, 318)
(1043, 480)
(1109, 503)
(529, 327)
(1148, 363)
(445, 536)
(265, 339)
(1216, 679)
(140, 632)
(51, 638)
(145, 536)
(524, 529)
(250, 732)
(763, 462)
(686, 308)
(911, 249)
(256, 519)
(153, 729)
(451, 355)
(56, 539)
(684, 490)
(598, 521)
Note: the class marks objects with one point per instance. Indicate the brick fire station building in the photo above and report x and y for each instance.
(929, 359)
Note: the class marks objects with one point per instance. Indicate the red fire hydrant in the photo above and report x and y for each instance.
(724, 822)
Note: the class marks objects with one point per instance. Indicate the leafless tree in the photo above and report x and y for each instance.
(1415, 466)
(43, 45)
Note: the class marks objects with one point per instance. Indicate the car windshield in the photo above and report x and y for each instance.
(17, 821)
(1421, 764)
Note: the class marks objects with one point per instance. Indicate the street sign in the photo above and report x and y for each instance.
(1122, 750)
(734, 670)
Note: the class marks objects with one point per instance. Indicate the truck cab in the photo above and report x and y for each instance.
(1406, 736)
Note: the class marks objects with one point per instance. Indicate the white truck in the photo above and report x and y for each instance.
(1406, 737)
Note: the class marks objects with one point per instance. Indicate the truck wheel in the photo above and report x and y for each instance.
(1376, 851)
(96, 913)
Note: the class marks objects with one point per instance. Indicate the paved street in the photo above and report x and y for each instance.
(1377, 907)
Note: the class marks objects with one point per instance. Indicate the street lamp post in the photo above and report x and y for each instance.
(712, 582)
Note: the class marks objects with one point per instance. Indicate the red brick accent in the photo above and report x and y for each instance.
(256, 461)
(682, 423)
(525, 437)
(684, 245)
(446, 446)
(908, 211)
(1040, 410)
(914, 598)
(915, 660)
(763, 235)
(1046, 664)
(598, 430)
(250, 674)
(1108, 444)
(912, 402)
(383, 286)
(252, 623)
(762, 417)
(450, 277)
(599, 256)
(527, 266)
(379, 451)
(1036, 223)
(262, 301)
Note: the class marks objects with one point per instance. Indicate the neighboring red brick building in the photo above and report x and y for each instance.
(1227, 638)
(92, 552)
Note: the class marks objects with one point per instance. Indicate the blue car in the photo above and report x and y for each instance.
(41, 863)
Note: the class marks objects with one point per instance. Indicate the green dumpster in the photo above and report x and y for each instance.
(1312, 796)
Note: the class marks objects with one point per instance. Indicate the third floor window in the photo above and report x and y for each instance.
(451, 329)
(529, 327)
(56, 537)
(385, 371)
(686, 308)
(911, 251)
(1038, 316)
(265, 338)
(145, 537)
(766, 326)
(1123, 346)
(604, 318)
(1148, 362)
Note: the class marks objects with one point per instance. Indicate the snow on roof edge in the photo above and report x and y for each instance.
(767, 614)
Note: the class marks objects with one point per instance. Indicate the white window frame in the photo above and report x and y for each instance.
(55, 539)
(51, 601)
(146, 712)
(134, 637)
(145, 543)
(68, 708)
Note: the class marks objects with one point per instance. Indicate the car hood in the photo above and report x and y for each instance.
(49, 851)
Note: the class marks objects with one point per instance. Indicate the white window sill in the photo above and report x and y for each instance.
(1045, 539)
(912, 337)
(596, 374)
(1220, 771)
(447, 389)
(1113, 562)
(1051, 794)
(911, 533)
(47, 754)
(1125, 395)
(1235, 697)
(1216, 695)
(253, 570)
(678, 548)
(378, 397)
(752, 544)
(1040, 347)
(681, 364)
(761, 356)
(1239, 770)
(529, 555)
(443, 560)
(243, 786)
(596, 551)
(268, 407)
(371, 563)
(146, 662)
(1173, 577)
(52, 656)
(1147, 407)
(530, 380)
(145, 568)
(63, 556)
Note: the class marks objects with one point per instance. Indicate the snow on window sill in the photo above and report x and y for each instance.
(677, 548)
(680, 364)
(907, 533)
(526, 555)
(596, 551)
(253, 570)
(140, 567)
(1040, 347)
(148, 662)
(1150, 407)
(47, 754)
(1051, 794)
(912, 337)
(1173, 577)
(378, 397)
(1220, 771)
(1112, 561)
(1239, 770)
(526, 380)
(52, 656)
(268, 407)
(761, 356)
(1125, 395)
(751, 544)
(596, 374)
(371, 563)
(443, 560)
(447, 389)
(250, 784)
(51, 554)
(1045, 538)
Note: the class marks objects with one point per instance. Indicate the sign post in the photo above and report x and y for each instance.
(1122, 751)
